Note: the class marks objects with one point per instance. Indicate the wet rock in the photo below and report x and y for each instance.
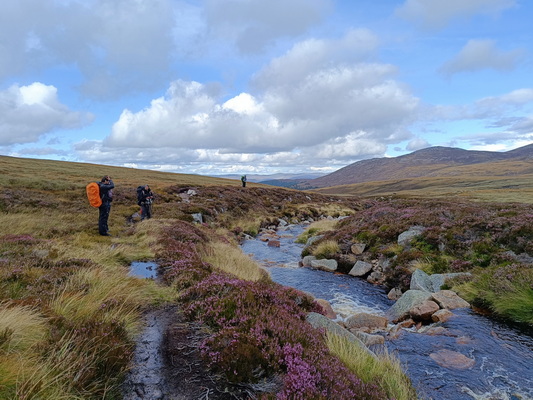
(367, 339)
(452, 359)
(274, 243)
(360, 268)
(442, 315)
(450, 300)
(376, 278)
(400, 310)
(324, 264)
(436, 331)
(306, 261)
(362, 320)
(327, 308)
(424, 310)
(408, 323)
(318, 321)
(394, 294)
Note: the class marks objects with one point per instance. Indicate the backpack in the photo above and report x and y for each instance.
(139, 194)
(93, 194)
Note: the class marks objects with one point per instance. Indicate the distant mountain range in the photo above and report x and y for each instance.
(429, 162)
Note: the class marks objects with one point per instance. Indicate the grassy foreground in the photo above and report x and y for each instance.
(69, 311)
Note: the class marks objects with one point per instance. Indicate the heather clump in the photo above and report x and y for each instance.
(259, 332)
(458, 236)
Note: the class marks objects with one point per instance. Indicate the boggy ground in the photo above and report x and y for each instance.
(168, 364)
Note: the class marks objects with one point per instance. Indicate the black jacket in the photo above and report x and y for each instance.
(106, 191)
(145, 195)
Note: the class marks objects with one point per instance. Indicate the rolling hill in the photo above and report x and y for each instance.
(431, 162)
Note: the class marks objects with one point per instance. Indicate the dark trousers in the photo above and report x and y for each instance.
(146, 211)
(104, 210)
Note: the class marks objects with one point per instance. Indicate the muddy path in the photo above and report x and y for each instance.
(167, 364)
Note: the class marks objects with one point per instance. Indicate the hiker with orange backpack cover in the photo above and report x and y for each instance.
(106, 194)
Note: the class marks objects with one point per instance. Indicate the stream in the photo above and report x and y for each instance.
(503, 355)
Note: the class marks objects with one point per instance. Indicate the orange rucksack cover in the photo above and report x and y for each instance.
(93, 194)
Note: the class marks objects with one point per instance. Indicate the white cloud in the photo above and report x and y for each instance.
(417, 144)
(482, 54)
(435, 14)
(254, 24)
(304, 110)
(28, 112)
(119, 46)
(335, 107)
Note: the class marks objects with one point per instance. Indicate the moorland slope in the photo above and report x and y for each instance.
(70, 313)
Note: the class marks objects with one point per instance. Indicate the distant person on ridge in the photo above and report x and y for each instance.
(145, 198)
(106, 194)
(243, 180)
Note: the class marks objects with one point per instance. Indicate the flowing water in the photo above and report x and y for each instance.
(503, 355)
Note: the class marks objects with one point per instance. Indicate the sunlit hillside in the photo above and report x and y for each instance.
(511, 188)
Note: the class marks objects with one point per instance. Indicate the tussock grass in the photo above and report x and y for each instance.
(316, 228)
(506, 290)
(518, 304)
(326, 249)
(331, 208)
(21, 328)
(231, 259)
(106, 294)
(249, 225)
(384, 370)
(58, 374)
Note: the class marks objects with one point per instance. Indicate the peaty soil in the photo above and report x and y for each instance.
(167, 363)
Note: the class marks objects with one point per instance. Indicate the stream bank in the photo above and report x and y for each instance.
(500, 355)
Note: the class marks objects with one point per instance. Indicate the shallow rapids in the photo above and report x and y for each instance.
(503, 355)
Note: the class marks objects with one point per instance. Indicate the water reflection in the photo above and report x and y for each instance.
(142, 269)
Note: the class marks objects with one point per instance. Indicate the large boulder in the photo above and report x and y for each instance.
(319, 321)
(405, 238)
(306, 261)
(449, 299)
(400, 310)
(432, 283)
(424, 311)
(361, 268)
(421, 281)
(325, 264)
(365, 320)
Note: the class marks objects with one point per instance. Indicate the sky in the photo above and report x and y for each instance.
(217, 87)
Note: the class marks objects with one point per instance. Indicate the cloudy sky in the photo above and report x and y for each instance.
(260, 87)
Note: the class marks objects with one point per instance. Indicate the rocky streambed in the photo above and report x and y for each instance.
(449, 351)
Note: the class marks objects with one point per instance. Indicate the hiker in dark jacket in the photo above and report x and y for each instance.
(145, 199)
(243, 180)
(106, 194)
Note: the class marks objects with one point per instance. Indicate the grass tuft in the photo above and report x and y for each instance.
(385, 370)
(232, 260)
